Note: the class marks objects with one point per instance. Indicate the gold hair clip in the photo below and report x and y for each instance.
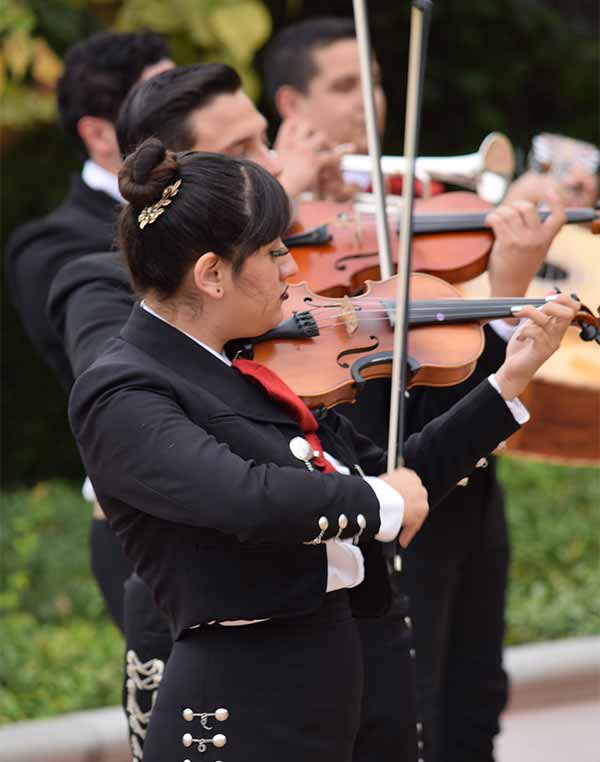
(150, 214)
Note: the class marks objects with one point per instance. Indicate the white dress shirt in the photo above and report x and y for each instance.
(98, 178)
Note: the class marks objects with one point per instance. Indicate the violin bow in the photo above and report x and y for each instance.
(373, 143)
(419, 31)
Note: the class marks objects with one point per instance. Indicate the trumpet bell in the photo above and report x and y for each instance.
(488, 171)
(497, 167)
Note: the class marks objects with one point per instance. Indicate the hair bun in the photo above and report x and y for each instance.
(147, 172)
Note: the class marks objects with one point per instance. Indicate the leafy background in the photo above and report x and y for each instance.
(518, 66)
(61, 653)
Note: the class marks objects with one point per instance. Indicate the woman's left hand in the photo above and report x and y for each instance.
(534, 342)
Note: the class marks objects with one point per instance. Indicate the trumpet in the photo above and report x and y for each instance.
(488, 171)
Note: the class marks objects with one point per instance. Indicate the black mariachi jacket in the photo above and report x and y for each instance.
(82, 224)
(191, 463)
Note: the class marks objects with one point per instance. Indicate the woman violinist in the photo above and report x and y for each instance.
(258, 530)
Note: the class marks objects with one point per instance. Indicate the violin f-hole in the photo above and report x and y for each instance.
(356, 351)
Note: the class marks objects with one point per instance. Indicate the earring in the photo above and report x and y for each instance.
(218, 291)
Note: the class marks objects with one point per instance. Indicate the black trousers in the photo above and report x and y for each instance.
(455, 572)
(455, 575)
(291, 689)
(110, 566)
(387, 730)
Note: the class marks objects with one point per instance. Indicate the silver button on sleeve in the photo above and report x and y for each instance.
(362, 525)
(342, 524)
(323, 527)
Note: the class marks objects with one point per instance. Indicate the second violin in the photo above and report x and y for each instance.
(335, 245)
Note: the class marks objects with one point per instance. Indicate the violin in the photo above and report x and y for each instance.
(335, 245)
(349, 339)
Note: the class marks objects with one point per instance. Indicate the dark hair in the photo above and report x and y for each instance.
(288, 58)
(161, 106)
(229, 206)
(100, 71)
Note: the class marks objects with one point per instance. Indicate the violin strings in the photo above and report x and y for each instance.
(360, 302)
(449, 308)
(452, 222)
(416, 316)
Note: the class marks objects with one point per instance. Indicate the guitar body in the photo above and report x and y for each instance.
(564, 397)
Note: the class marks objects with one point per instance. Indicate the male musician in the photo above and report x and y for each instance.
(174, 107)
(455, 572)
(210, 103)
(99, 73)
(312, 72)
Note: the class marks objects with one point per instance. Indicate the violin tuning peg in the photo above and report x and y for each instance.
(589, 332)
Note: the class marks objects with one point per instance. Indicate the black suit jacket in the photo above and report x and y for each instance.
(83, 223)
(89, 302)
(191, 463)
(370, 416)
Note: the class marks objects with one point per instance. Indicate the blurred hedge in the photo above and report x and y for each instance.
(61, 653)
(554, 520)
(519, 66)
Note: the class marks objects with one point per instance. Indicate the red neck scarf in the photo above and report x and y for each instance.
(279, 391)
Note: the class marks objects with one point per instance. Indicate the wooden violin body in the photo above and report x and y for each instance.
(451, 241)
(327, 347)
(351, 257)
(355, 343)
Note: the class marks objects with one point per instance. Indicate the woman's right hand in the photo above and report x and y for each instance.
(416, 505)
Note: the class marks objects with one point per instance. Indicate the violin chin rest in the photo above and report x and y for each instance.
(377, 359)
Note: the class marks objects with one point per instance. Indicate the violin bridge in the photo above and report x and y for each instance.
(349, 317)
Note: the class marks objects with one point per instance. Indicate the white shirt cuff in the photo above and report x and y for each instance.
(516, 407)
(88, 491)
(391, 508)
(503, 329)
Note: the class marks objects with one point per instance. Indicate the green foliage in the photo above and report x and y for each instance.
(61, 653)
(554, 515)
(51, 669)
(34, 34)
(205, 30)
(44, 551)
(29, 69)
